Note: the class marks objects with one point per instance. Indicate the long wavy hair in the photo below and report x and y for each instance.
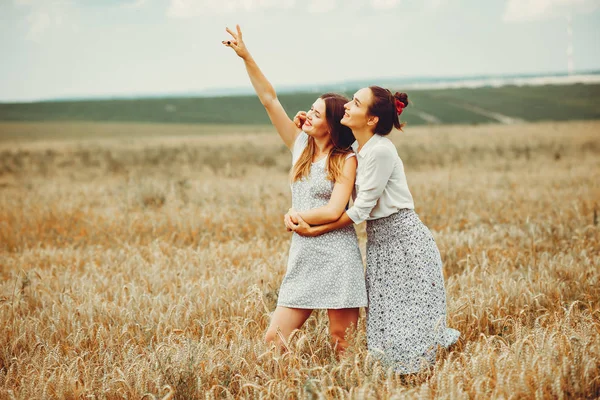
(341, 137)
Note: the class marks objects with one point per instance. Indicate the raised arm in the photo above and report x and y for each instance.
(342, 190)
(265, 91)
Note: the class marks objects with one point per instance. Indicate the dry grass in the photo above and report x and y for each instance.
(147, 267)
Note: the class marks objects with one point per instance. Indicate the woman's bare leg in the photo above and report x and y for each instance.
(339, 321)
(287, 320)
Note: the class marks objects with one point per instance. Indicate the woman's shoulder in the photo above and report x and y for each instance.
(299, 145)
(385, 141)
(384, 148)
(301, 138)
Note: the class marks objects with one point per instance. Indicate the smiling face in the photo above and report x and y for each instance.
(357, 115)
(316, 121)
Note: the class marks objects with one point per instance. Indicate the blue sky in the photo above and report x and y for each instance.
(74, 48)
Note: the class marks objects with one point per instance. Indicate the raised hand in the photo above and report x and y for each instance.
(237, 43)
(300, 119)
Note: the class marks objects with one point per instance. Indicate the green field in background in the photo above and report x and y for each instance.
(447, 106)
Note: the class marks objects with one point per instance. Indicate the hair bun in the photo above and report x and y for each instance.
(403, 97)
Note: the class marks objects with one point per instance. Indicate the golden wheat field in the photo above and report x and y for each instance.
(142, 261)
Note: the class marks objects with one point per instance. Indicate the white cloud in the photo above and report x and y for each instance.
(135, 4)
(384, 4)
(435, 4)
(531, 10)
(43, 15)
(426, 5)
(195, 8)
(321, 6)
(38, 23)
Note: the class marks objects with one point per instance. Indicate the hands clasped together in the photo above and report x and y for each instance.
(294, 222)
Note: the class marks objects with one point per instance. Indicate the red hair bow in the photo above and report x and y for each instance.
(399, 106)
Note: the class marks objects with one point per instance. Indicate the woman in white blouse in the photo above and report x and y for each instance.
(406, 316)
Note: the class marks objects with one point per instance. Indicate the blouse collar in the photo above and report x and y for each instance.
(370, 143)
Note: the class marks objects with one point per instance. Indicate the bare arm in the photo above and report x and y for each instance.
(266, 93)
(304, 229)
(378, 170)
(339, 197)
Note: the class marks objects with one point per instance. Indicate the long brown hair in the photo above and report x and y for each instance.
(341, 137)
(384, 107)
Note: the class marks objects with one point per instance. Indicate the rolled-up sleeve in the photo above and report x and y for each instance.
(374, 175)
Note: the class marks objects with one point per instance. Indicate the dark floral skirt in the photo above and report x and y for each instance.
(406, 316)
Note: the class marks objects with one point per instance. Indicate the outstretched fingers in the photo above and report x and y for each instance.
(235, 37)
(236, 43)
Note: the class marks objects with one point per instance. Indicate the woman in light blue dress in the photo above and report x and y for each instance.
(324, 272)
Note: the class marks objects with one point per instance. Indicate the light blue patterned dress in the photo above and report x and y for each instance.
(323, 272)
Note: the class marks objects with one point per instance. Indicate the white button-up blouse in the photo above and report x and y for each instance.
(380, 189)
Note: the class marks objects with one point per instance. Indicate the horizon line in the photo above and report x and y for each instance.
(434, 83)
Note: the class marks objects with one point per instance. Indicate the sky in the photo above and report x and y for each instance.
(87, 48)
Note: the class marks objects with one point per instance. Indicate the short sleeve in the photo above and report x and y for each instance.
(299, 145)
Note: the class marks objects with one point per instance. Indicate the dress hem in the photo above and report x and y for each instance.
(318, 307)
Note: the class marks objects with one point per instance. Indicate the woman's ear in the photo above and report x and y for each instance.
(372, 121)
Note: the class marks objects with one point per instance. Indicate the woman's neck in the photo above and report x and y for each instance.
(323, 145)
(362, 136)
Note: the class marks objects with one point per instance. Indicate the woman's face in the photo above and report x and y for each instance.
(316, 122)
(356, 115)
